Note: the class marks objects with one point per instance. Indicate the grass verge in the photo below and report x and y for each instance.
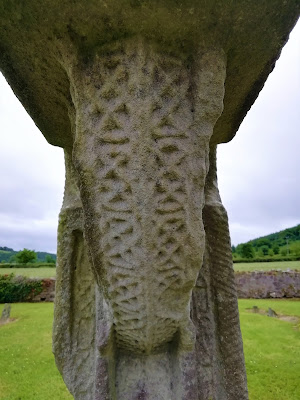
(267, 266)
(42, 272)
(27, 366)
(272, 352)
(48, 272)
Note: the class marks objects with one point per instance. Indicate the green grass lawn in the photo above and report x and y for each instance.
(267, 266)
(27, 366)
(272, 352)
(42, 272)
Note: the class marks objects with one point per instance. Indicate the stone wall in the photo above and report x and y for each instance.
(274, 284)
(258, 285)
(48, 292)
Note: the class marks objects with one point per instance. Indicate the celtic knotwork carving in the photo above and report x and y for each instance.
(141, 157)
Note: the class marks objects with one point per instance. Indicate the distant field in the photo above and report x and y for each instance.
(46, 272)
(42, 272)
(272, 352)
(267, 266)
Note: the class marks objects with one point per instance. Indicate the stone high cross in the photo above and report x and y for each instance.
(139, 93)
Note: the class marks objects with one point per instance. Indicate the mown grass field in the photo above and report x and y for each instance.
(27, 366)
(42, 272)
(267, 266)
(48, 272)
(272, 352)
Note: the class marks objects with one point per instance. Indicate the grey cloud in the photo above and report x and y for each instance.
(29, 234)
(28, 199)
(259, 169)
(32, 180)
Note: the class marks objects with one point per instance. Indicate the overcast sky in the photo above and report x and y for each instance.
(258, 170)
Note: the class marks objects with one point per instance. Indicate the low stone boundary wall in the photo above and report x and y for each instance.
(257, 285)
(48, 292)
(268, 284)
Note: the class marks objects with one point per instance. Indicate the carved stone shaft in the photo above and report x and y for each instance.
(133, 90)
(142, 121)
(143, 125)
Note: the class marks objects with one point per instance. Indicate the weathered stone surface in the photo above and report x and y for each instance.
(142, 175)
(261, 285)
(5, 313)
(271, 313)
(146, 306)
(250, 33)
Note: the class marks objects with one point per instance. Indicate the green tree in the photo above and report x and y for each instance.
(283, 251)
(263, 242)
(49, 259)
(247, 250)
(12, 259)
(238, 249)
(260, 253)
(276, 249)
(265, 250)
(295, 248)
(25, 256)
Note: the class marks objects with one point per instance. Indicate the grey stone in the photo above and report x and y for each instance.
(266, 284)
(271, 313)
(134, 91)
(5, 315)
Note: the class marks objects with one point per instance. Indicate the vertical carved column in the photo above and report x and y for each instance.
(74, 328)
(133, 90)
(142, 127)
(219, 347)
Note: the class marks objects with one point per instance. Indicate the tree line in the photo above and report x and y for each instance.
(25, 256)
(283, 244)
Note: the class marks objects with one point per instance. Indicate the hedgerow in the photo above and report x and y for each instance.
(28, 265)
(15, 289)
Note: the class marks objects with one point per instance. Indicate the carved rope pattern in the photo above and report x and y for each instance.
(142, 166)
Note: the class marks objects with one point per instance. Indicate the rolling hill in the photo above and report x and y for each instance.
(7, 254)
(285, 243)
